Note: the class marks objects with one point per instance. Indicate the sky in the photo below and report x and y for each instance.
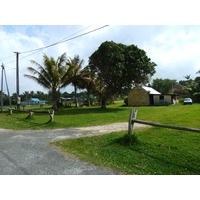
(174, 48)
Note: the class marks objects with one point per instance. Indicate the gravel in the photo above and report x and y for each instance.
(27, 152)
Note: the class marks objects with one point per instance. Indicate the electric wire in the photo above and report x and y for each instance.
(6, 57)
(59, 42)
(65, 40)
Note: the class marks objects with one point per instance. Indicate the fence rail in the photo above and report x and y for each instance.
(31, 112)
(132, 120)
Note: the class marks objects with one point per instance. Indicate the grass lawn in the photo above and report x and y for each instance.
(90, 116)
(159, 151)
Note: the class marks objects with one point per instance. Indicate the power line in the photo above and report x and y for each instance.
(42, 47)
(60, 41)
(65, 40)
(6, 58)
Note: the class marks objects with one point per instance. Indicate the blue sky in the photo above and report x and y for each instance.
(175, 49)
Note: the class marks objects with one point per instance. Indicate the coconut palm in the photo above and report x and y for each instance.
(52, 75)
(76, 78)
(92, 84)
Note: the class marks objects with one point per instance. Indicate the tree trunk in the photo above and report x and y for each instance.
(55, 100)
(76, 98)
(88, 97)
(103, 102)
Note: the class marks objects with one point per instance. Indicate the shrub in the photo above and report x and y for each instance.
(126, 101)
(181, 100)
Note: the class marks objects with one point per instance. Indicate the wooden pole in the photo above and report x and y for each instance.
(2, 87)
(166, 126)
(133, 115)
(51, 114)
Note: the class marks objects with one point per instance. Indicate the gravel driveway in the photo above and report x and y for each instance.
(28, 152)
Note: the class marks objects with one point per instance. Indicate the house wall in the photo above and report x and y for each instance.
(138, 97)
(156, 100)
(168, 99)
(162, 100)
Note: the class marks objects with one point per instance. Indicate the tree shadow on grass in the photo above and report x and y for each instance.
(77, 111)
(164, 159)
(34, 122)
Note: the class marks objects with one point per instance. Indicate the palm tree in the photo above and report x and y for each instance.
(52, 75)
(76, 78)
(92, 84)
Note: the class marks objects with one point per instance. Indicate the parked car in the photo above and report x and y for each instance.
(187, 101)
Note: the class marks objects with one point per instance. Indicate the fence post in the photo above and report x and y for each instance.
(133, 115)
(30, 114)
(10, 111)
(51, 114)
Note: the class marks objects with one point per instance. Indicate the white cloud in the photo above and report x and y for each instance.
(175, 49)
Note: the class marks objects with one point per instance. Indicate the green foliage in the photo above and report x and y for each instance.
(181, 100)
(118, 66)
(160, 152)
(52, 75)
(126, 101)
(163, 85)
(179, 115)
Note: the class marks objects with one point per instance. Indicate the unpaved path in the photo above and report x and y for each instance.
(28, 152)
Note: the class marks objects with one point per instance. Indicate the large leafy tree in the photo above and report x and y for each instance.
(52, 75)
(118, 66)
(164, 86)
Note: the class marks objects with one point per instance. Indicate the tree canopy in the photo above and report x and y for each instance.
(52, 74)
(119, 66)
(163, 86)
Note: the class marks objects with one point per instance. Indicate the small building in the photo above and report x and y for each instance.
(146, 96)
(33, 101)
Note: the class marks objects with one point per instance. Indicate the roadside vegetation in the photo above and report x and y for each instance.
(179, 115)
(154, 150)
(157, 152)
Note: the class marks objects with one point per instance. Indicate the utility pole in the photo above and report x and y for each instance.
(17, 79)
(7, 86)
(2, 88)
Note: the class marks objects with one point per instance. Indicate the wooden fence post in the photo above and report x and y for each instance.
(30, 114)
(51, 114)
(133, 115)
(10, 111)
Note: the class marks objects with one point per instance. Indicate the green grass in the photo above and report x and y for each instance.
(90, 116)
(159, 151)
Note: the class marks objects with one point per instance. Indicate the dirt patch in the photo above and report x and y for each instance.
(110, 128)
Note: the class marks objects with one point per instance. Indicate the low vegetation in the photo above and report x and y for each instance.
(151, 151)
(179, 115)
(157, 151)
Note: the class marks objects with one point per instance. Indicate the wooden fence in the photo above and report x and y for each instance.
(132, 120)
(31, 112)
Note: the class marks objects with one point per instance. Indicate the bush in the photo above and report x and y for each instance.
(126, 101)
(181, 100)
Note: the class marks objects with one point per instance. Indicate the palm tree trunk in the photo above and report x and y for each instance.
(55, 100)
(76, 98)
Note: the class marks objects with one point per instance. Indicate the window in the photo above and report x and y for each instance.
(161, 97)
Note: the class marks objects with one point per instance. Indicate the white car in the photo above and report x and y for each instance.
(187, 101)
